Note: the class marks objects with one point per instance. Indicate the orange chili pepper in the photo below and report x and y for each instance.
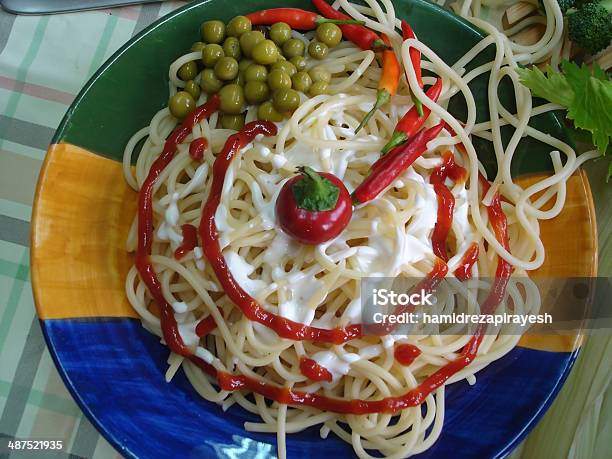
(389, 80)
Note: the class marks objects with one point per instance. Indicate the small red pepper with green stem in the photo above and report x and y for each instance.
(415, 58)
(360, 35)
(411, 122)
(313, 207)
(391, 166)
(388, 83)
(296, 18)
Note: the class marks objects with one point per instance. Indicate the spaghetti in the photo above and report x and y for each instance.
(275, 324)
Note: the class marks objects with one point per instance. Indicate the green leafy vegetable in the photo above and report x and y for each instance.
(585, 93)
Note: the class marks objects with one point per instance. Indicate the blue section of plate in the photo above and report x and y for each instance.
(115, 369)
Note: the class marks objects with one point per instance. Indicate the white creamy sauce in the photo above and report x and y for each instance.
(300, 154)
(196, 182)
(179, 306)
(278, 161)
(350, 357)
(188, 334)
(299, 293)
(198, 254)
(241, 270)
(168, 230)
(265, 334)
(369, 352)
(282, 245)
(332, 363)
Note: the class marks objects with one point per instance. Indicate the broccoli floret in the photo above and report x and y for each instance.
(590, 27)
(563, 4)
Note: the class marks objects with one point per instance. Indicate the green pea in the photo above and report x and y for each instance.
(277, 79)
(211, 54)
(293, 47)
(317, 50)
(193, 88)
(212, 31)
(285, 100)
(256, 92)
(238, 25)
(181, 104)
(188, 71)
(298, 62)
(285, 66)
(226, 68)
(249, 40)
(209, 83)
(267, 112)
(235, 122)
(319, 74)
(301, 81)
(244, 64)
(265, 52)
(231, 48)
(240, 79)
(318, 88)
(329, 33)
(198, 46)
(232, 99)
(280, 32)
(256, 72)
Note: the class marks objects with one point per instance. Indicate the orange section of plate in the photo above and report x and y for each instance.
(83, 211)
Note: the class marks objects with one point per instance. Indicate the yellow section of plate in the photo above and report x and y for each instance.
(83, 211)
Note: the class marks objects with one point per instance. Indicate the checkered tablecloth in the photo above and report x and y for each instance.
(44, 61)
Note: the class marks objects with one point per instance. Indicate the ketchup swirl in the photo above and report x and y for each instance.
(312, 370)
(282, 326)
(446, 201)
(190, 241)
(406, 353)
(145, 224)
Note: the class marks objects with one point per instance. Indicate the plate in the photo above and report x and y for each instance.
(115, 369)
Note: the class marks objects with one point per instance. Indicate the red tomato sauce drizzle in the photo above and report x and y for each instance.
(197, 147)
(254, 311)
(190, 241)
(405, 354)
(312, 370)
(470, 257)
(446, 201)
(145, 225)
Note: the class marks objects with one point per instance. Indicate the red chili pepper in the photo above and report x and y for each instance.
(411, 122)
(314, 207)
(415, 58)
(395, 164)
(295, 17)
(387, 85)
(358, 34)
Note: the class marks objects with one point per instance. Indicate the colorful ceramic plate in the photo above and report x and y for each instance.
(115, 369)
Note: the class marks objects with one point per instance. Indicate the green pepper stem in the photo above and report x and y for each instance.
(382, 97)
(417, 103)
(314, 192)
(397, 138)
(313, 177)
(322, 20)
(379, 45)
